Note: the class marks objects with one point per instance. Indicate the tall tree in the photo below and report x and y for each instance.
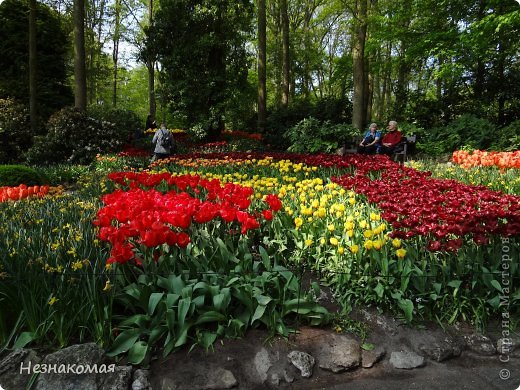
(285, 53)
(115, 48)
(150, 63)
(80, 77)
(52, 91)
(261, 66)
(358, 59)
(202, 47)
(32, 66)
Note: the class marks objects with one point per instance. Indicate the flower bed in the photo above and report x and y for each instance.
(484, 158)
(207, 245)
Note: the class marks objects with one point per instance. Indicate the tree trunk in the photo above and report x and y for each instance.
(262, 89)
(358, 68)
(32, 67)
(285, 53)
(115, 50)
(80, 93)
(150, 65)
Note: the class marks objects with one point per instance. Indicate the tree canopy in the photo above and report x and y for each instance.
(53, 53)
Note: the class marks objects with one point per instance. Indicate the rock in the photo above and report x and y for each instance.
(339, 353)
(262, 363)
(74, 360)
(480, 344)
(141, 381)
(11, 376)
(369, 358)
(118, 380)
(406, 360)
(202, 378)
(389, 325)
(440, 351)
(509, 346)
(302, 361)
(81, 367)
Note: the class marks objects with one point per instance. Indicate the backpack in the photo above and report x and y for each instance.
(166, 139)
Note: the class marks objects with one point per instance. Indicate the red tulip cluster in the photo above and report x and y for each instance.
(152, 218)
(444, 211)
(22, 192)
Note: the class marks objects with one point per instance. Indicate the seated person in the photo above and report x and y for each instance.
(391, 139)
(370, 141)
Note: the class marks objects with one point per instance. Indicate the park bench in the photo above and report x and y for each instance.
(408, 146)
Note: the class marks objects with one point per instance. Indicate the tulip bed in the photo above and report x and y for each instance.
(206, 245)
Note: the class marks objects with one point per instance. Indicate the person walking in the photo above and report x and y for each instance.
(163, 143)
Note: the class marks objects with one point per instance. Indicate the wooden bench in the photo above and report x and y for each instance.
(351, 145)
(408, 146)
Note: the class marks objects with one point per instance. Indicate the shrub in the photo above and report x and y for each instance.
(73, 137)
(507, 138)
(467, 131)
(14, 175)
(125, 121)
(311, 135)
(281, 119)
(15, 130)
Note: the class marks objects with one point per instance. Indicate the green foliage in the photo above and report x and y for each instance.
(125, 121)
(53, 274)
(312, 136)
(202, 48)
(282, 118)
(74, 137)
(14, 175)
(211, 289)
(60, 174)
(466, 131)
(15, 131)
(507, 138)
(52, 59)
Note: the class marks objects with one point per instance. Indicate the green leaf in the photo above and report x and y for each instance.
(156, 334)
(184, 307)
(183, 335)
(124, 342)
(138, 352)
(24, 339)
(497, 285)
(494, 302)
(262, 299)
(455, 283)
(171, 299)
(207, 339)
(259, 312)
(407, 307)
(379, 289)
(154, 300)
(265, 257)
(367, 346)
(232, 281)
(221, 301)
(210, 316)
(141, 320)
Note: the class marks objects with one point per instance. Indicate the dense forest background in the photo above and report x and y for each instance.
(265, 65)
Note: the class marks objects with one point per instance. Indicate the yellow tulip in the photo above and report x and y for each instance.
(396, 243)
